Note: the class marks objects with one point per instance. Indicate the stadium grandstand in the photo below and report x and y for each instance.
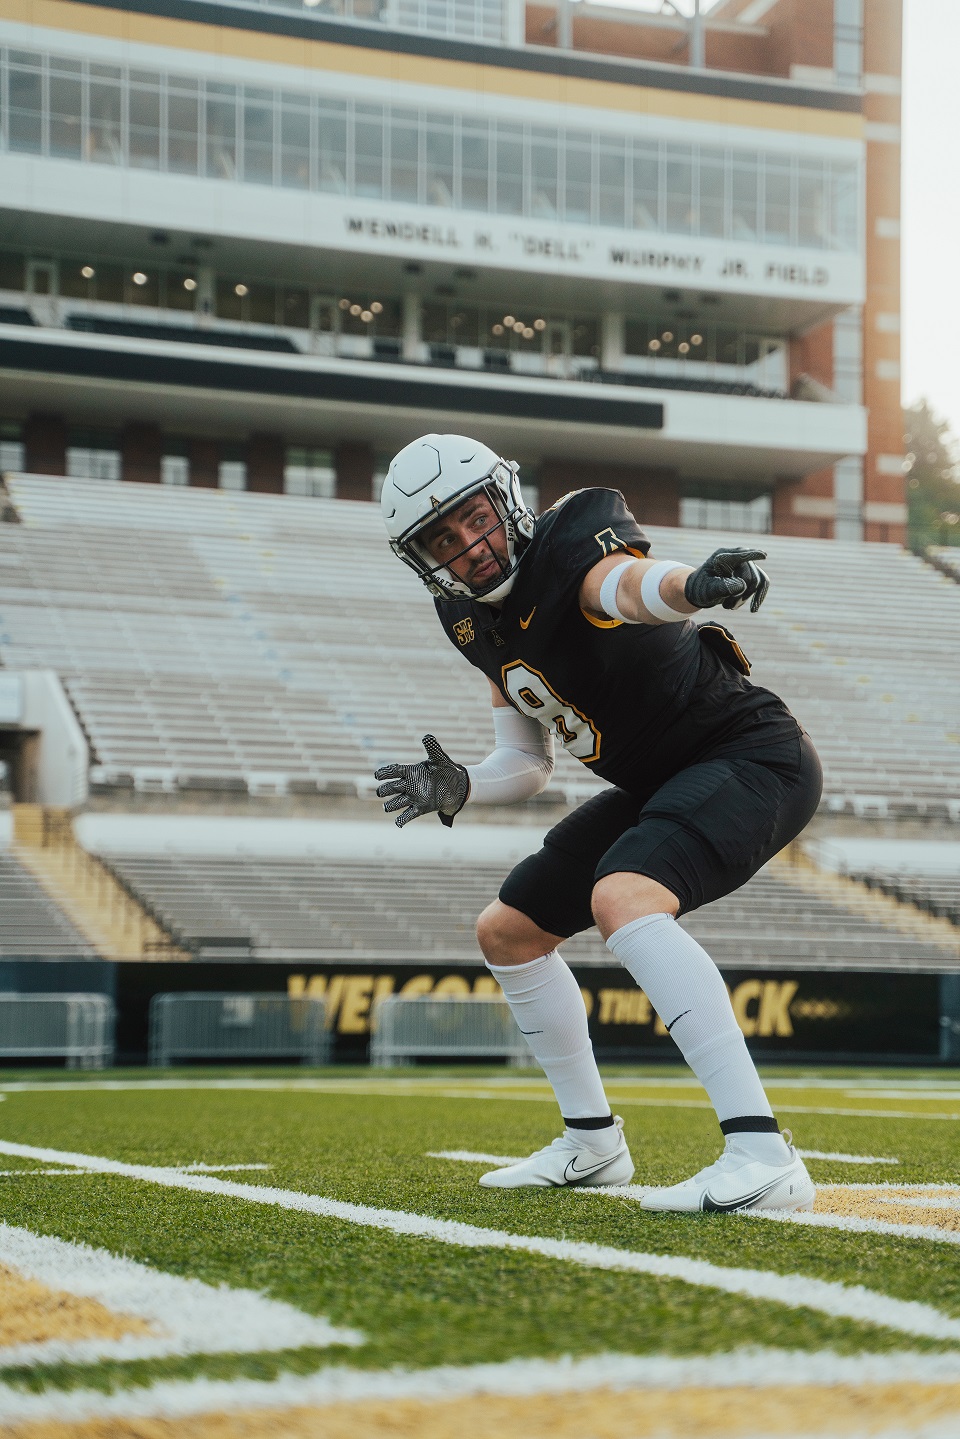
(625, 249)
(226, 656)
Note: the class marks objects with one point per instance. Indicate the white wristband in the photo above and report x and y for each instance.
(608, 593)
(653, 601)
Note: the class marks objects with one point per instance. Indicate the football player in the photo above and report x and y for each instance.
(587, 640)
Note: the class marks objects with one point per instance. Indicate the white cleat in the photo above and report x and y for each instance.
(737, 1181)
(568, 1160)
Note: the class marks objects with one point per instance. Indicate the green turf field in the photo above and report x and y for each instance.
(365, 1251)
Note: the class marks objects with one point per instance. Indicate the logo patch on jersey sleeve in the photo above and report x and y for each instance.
(464, 631)
(609, 541)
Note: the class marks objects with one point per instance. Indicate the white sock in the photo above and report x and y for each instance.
(546, 1002)
(685, 988)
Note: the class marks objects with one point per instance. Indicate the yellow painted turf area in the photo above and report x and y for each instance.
(835, 1411)
(32, 1313)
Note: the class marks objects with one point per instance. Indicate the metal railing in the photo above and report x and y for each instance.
(237, 1027)
(76, 1027)
(412, 1027)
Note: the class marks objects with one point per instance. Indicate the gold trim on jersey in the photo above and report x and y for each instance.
(600, 624)
(562, 730)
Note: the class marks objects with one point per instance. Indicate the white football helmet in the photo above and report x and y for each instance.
(433, 476)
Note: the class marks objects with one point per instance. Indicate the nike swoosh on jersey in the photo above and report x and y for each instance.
(718, 1207)
(524, 623)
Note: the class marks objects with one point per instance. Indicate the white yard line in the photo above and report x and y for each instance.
(186, 1316)
(469, 1156)
(407, 1089)
(845, 1158)
(795, 1291)
(855, 1225)
(181, 1169)
(754, 1368)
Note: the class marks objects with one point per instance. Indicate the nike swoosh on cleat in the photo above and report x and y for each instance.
(572, 1172)
(717, 1207)
(531, 1031)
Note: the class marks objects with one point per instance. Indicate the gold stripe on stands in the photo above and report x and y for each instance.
(322, 55)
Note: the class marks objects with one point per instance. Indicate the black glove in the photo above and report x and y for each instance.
(434, 786)
(728, 578)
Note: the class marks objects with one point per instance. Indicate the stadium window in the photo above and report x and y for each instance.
(404, 134)
(66, 109)
(848, 355)
(295, 141)
(776, 201)
(103, 140)
(175, 462)
(332, 146)
(508, 173)
(295, 308)
(93, 455)
(12, 453)
(711, 207)
(646, 186)
(544, 174)
(221, 127)
(12, 271)
(142, 288)
(258, 119)
(679, 190)
(475, 168)
(441, 159)
(310, 472)
(745, 195)
(844, 205)
(144, 132)
(753, 516)
(578, 176)
(77, 281)
(183, 120)
(232, 469)
(812, 227)
(25, 126)
(440, 186)
(612, 181)
(178, 294)
(368, 151)
(232, 299)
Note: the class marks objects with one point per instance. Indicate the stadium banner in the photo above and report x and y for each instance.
(790, 1014)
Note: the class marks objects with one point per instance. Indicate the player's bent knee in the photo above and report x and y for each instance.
(620, 898)
(507, 936)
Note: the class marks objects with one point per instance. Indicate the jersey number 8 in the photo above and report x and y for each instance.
(533, 696)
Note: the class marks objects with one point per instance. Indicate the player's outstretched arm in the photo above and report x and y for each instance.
(437, 785)
(646, 592)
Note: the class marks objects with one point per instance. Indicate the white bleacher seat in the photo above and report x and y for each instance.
(217, 635)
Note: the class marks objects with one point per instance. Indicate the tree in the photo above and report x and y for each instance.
(933, 486)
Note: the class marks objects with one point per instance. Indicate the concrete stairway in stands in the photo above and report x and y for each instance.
(116, 924)
(797, 869)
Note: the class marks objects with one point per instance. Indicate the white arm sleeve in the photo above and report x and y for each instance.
(520, 765)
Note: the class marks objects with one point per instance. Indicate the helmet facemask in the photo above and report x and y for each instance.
(501, 488)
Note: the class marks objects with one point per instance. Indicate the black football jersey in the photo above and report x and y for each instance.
(629, 701)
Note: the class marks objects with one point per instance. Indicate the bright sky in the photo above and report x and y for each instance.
(931, 200)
